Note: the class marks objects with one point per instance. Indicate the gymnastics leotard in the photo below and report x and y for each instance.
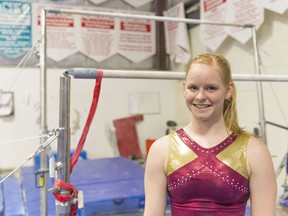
(207, 181)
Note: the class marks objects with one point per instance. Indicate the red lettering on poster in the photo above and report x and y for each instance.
(212, 4)
(97, 23)
(135, 26)
(58, 21)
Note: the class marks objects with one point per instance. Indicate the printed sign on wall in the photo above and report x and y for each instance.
(15, 29)
(213, 35)
(176, 36)
(244, 12)
(98, 37)
(61, 32)
(137, 39)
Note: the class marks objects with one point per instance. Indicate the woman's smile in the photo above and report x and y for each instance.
(202, 106)
(205, 92)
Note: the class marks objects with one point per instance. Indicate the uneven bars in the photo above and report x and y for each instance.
(147, 17)
(43, 53)
(91, 73)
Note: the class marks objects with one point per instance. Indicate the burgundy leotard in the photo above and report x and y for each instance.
(207, 181)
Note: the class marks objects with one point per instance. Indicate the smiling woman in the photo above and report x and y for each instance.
(211, 166)
(205, 92)
(216, 72)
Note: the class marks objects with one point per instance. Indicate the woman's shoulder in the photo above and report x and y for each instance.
(256, 144)
(160, 145)
(252, 142)
(157, 156)
(257, 151)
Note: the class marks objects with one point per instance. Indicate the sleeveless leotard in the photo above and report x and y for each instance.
(207, 181)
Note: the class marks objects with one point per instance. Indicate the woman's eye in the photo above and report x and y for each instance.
(211, 88)
(193, 88)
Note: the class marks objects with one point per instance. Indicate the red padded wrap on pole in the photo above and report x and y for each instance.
(73, 193)
(85, 131)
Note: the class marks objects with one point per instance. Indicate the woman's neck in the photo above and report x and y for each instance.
(207, 134)
(204, 126)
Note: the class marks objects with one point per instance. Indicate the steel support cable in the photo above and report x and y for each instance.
(21, 64)
(23, 139)
(40, 148)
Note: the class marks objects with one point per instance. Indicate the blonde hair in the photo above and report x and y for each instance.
(224, 69)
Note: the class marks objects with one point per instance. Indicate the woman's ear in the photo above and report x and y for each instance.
(230, 90)
(183, 87)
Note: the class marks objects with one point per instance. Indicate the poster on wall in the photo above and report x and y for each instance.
(98, 37)
(176, 36)
(278, 6)
(15, 29)
(61, 32)
(213, 35)
(137, 38)
(138, 3)
(244, 12)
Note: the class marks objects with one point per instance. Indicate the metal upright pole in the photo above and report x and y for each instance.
(43, 118)
(63, 168)
(259, 87)
(64, 124)
(160, 38)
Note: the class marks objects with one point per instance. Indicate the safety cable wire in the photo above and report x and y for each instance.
(40, 149)
(24, 139)
(16, 73)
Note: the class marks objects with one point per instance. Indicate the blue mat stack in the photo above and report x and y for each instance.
(12, 203)
(32, 194)
(109, 185)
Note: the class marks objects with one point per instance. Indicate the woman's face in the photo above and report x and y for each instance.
(205, 92)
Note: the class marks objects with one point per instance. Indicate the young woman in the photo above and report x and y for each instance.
(211, 166)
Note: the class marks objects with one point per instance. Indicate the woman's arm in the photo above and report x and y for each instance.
(155, 181)
(263, 186)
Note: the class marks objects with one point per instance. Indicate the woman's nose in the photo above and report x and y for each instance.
(201, 95)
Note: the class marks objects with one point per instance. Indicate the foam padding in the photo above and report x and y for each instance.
(13, 197)
(109, 184)
(32, 197)
(1, 199)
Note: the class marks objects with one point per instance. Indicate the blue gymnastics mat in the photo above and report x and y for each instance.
(11, 198)
(109, 185)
